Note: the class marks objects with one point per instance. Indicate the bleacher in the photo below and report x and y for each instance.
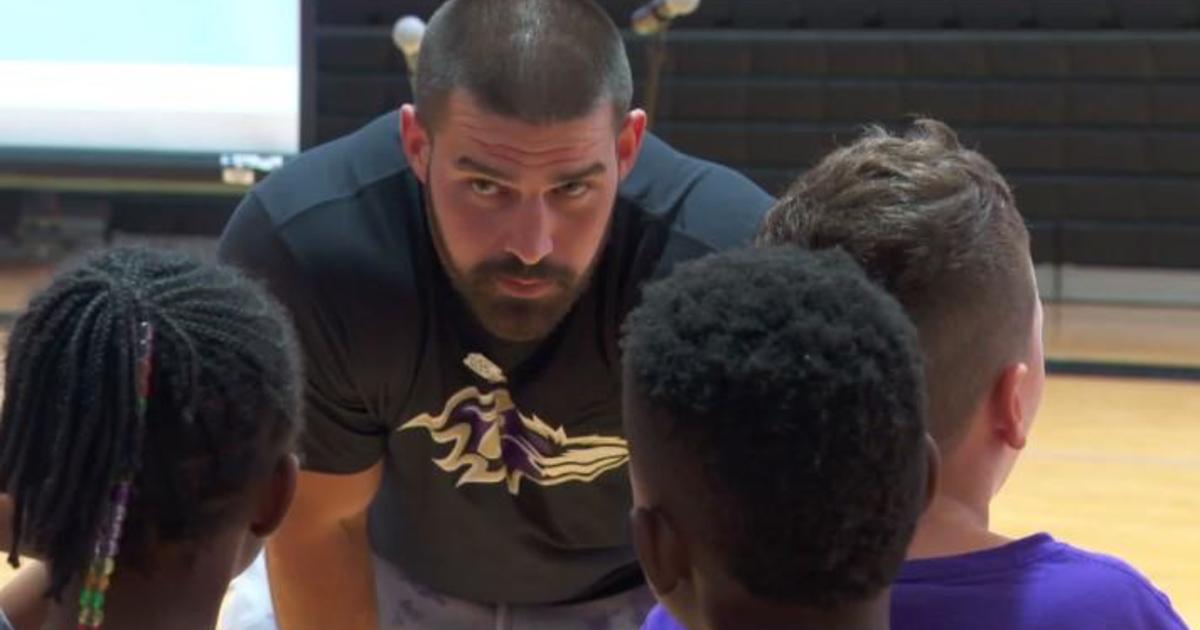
(1090, 107)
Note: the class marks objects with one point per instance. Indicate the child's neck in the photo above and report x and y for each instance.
(187, 599)
(952, 526)
(956, 521)
(866, 615)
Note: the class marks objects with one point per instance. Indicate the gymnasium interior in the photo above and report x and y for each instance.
(1090, 109)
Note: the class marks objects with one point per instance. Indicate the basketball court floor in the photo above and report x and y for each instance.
(1114, 461)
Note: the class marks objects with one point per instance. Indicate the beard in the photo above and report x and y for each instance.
(507, 317)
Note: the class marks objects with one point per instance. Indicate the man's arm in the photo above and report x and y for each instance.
(23, 599)
(321, 572)
(319, 561)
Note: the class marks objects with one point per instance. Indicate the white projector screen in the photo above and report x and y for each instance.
(164, 76)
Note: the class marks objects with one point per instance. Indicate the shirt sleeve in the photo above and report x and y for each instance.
(1156, 611)
(721, 210)
(340, 435)
(660, 619)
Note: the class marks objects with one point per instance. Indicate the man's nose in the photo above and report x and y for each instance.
(529, 235)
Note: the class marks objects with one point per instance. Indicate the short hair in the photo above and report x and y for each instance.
(538, 61)
(223, 405)
(794, 384)
(937, 225)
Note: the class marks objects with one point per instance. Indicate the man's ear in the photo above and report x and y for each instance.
(660, 549)
(1010, 420)
(277, 497)
(415, 141)
(933, 469)
(629, 141)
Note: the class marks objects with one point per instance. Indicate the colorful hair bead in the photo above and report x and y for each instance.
(100, 570)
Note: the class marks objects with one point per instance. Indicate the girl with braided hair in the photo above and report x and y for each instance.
(150, 410)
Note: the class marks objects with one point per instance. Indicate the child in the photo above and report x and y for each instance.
(937, 225)
(774, 408)
(150, 407)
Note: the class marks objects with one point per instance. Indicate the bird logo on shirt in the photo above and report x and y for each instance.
(493, 442)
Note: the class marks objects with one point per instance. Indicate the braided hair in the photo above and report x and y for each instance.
(84, 446)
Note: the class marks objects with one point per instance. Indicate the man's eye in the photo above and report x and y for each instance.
(484, 187)
(573, 190)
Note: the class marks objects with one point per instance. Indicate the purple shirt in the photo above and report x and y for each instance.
(1035, 583)
(660, 619)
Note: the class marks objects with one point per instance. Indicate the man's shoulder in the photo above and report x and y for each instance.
(344, 220)
(711, 204)
(351, 169)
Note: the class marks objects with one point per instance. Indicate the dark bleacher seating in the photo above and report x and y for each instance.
(1175, 104)
(715, 14)
(1106, 104)
(1075, 14)
(1104, 151)
(956, 103)
(773, 15)
(684, 101)
(1110, 56)
(1166, 14)
(924, 14)
(785, 147)
(1173, 199)
(1130, 244)
(1008, 14)
(1018, 151)
(356, 54)
(1096, 123)
(1174, 152)
(1176, 56)
(849, 14)
(946, 58)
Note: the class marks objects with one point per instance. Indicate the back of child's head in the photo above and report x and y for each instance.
(937, 225)
(775, 411)
(147, 374)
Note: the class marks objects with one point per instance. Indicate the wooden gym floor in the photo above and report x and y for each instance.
(1113, 464)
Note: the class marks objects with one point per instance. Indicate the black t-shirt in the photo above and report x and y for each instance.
(505, 476)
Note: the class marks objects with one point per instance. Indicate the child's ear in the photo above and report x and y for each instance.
(660, 549)
(1011, 421)
(277, 496)
(933, 468)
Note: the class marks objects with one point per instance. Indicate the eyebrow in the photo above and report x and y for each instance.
(468, 164)
(591, 170)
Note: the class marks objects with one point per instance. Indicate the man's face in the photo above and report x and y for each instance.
(519, 211)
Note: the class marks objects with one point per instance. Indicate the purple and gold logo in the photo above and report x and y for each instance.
(495, 443)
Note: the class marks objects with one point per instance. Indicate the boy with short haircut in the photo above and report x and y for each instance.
(938, 226)
(775, 412)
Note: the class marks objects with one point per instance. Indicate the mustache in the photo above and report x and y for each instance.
(512, 267)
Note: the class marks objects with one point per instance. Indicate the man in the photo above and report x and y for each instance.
(458, 274)
(937, 225)
(774, 404)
